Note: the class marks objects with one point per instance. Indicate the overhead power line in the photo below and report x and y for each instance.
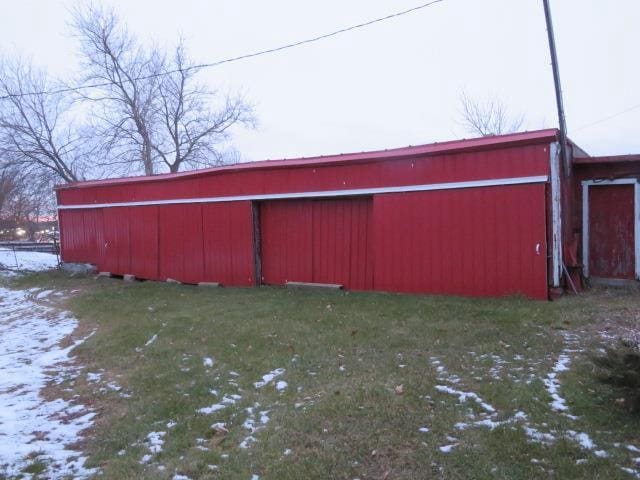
(237, 58)
(605, 119)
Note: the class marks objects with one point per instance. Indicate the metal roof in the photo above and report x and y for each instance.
(480, 143)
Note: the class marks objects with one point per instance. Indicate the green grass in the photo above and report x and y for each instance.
(341, 416)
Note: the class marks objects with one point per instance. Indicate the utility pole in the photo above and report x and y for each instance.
(564, 154)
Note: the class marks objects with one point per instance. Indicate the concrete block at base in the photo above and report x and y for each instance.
(127, 277)
(78, 268)
(171, 280)
(104, 274)
(330, 286)
(209, 284)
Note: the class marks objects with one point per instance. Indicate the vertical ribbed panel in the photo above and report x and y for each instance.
(477, 242)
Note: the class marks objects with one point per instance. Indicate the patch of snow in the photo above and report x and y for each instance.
(464, 396)
(94, 377)
(207, 361)
(146, 458)
(211, 409)
(155, 441)
(171, 424)
(601, 454)
(30, 335)
(178, 476)
(151, 340)
(448, 448)
(269, 377)
(423, 429)
(631, 471)
(253, 425)
(633, 448)
(27, 261)
(583, 439)
(281, 385)
(43, 294)
(539, 437)
(287, 452)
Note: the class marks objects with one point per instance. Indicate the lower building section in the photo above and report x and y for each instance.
(482, 241)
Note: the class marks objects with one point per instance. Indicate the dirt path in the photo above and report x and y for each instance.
(37, 434)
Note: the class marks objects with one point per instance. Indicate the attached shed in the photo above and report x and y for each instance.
(479, 217)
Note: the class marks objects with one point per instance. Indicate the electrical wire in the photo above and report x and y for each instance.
(237, 58)
(605, 119)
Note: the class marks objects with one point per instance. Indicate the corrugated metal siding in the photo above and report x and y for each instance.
(181, 243)
(144, 224)
(117, 257)
(530, 160)
(476, 242)
(611, 231)
(228, 243)
(321, 241)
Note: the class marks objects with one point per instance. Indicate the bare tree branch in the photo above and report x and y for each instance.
(36, 131)
(487, 118)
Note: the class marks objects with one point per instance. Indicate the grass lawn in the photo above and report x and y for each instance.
(368, 386)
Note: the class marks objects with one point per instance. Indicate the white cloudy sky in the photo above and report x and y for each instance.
(392, 84)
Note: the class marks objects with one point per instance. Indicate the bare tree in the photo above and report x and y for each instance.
(150, 109)
(188, 130)
(126, 75)
(37, 134)
(487, 118)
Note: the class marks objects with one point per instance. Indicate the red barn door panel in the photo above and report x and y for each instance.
(228, 243)
(144, 242)
(611, 231)
(475, 242)
(320, 241)
(116, 257)
(180, 237)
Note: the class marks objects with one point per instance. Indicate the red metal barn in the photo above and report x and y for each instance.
(479, 217)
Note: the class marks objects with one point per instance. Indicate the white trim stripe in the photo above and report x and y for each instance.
(321, 194)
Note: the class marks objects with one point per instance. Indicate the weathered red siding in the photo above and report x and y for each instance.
(319, 241)
(611, 231)
(228, 243)
(477, 242)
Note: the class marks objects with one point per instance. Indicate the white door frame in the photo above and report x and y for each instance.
(585, 218)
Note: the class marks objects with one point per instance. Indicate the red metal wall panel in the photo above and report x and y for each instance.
(521, 161)
(181, 243)
(143, 225)
(477, 242)
(81, 235)
(228, 243)
(71, 235)
(320, 241)
(611, 231)
(116, 258)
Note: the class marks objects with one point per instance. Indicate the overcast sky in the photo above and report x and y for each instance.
(392, 84)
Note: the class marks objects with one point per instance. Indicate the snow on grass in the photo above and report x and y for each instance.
(30, 336)
(151, 340)
(269, 377)
(27, 261)
(464, 396)
(207, 362)
(281, 385)
(256, 420)
(552, 384)
(155, 441)
(631, 471)
(448, 448)
(226, 400)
